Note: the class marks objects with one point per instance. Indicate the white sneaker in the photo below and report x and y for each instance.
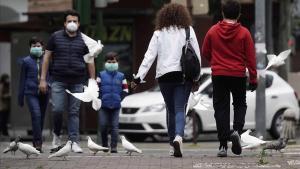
(56, 140)
(76, 148)
(171, 152)
(177, 146)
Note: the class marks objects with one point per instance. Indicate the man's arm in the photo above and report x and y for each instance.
(45, 67)
(91, 69)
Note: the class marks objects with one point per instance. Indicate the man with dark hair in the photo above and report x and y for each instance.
(230, 49)
(66, 49)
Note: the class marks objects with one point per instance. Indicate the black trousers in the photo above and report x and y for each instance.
(3, 122)
(222, 87)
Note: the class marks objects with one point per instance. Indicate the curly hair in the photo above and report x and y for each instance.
(173, 14)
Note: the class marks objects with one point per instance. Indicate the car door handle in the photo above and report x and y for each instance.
(274, 97)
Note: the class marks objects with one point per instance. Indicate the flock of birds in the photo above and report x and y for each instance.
(67, 148)
(247, 141)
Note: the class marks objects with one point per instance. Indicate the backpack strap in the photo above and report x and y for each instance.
(187, 33)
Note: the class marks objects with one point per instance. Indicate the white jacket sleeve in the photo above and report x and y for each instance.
(195, 45)
(149, 57)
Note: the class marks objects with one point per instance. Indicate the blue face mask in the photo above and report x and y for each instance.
(111, 66)
(36, 51)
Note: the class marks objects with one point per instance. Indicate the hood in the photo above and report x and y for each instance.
(227, 30)
(142, 99)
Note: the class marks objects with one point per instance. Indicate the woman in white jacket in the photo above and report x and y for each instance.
(166, 45)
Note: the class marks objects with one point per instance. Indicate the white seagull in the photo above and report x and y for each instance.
(274, 60)
(63, 152)
(13, 147)
(27, 149)
(251, 142)
(94, 147)
(90, 93)
(129, 147)
(94, 47)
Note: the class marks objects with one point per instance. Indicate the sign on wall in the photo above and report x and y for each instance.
(49, 5)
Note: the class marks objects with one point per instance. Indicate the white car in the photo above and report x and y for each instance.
(143, 114)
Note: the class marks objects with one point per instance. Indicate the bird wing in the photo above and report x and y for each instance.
(62, 152)
(130, 147)
(94, 47)
(283, 55)
(7, 149)
(93, 146)
(248, 139)
(96, 104)
(271, 58)
(28, 149)
(84, 96)
(251, 146)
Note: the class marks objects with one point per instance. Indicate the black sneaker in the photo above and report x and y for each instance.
(222, 151)
(114, 150)
(236, 143)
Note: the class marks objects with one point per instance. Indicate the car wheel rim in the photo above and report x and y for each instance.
(278, 123)
(188, 129)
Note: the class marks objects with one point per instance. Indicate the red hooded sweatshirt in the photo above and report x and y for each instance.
(230, 50)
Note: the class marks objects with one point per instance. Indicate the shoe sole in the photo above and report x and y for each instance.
(236, 145)
(177, 151)
(222, 155)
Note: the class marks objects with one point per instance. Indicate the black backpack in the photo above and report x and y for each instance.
(189, 61)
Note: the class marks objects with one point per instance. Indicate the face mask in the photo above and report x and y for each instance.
(36, 51)
(72, 27)
(111, 66)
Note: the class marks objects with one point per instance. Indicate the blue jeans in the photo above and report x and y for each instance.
(109, 118)
(176, 97)
(58, 95)
(37, 105)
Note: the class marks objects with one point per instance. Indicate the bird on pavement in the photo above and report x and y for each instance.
(274, 60)
(278, 145)
(13, 147)
(27, 149)
(63, 152)
(129, 147)
(251, 142)
(90, 94)
(94, 147)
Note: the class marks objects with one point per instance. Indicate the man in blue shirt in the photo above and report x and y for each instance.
(66, 49)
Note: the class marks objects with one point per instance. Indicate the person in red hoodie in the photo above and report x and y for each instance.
(229, 48)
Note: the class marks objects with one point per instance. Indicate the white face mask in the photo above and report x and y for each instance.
(72, 27)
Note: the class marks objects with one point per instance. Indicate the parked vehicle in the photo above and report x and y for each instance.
(144, 113)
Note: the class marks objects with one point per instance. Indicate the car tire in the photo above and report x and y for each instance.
(188, 129)
(136, 137)
(276, 126)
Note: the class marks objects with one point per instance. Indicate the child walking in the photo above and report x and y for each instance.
(113, 88)
(29, 87)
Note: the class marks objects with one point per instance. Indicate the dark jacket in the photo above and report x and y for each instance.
(67, 57)
(29, 83)
(111, 89)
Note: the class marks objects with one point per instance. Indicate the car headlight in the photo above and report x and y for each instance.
(154, 108)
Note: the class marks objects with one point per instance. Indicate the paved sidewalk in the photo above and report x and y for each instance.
(155, 156)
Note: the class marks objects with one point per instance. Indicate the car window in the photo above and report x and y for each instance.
(268, 80)
(208, 90)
